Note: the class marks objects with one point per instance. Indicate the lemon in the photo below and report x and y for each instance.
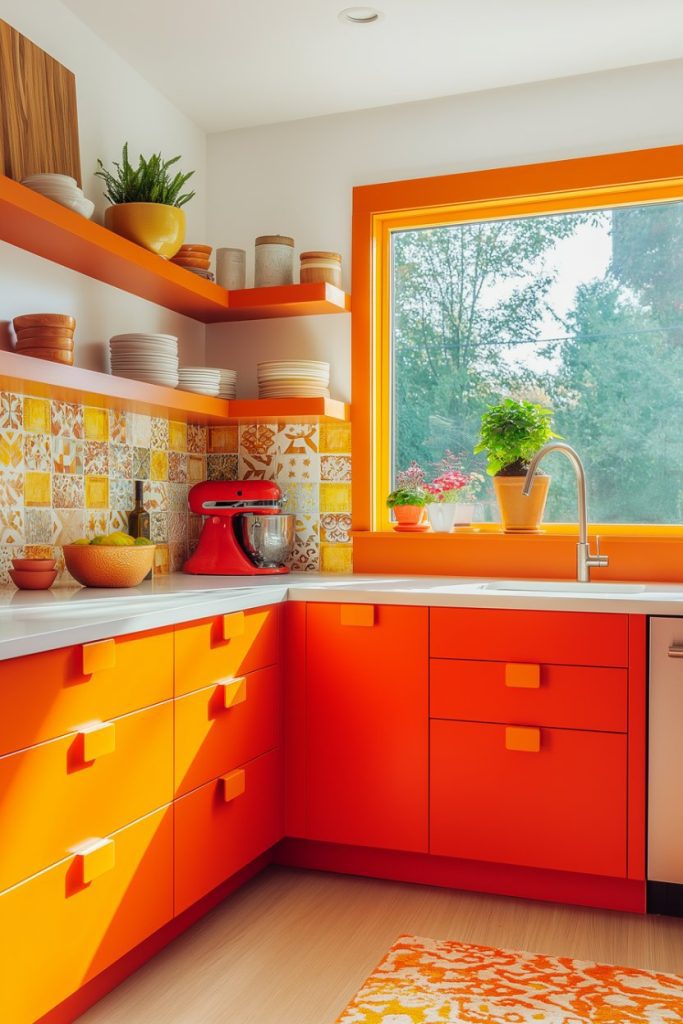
(119, 540)
(100, 539)
(81, 542)
(141, 541)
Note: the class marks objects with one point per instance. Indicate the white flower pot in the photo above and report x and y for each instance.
(464, 513)
(442, 517)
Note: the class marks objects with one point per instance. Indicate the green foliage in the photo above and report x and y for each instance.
(149, 182)
(407, 497)
(511, 433)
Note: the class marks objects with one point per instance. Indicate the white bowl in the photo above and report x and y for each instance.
(56, 178)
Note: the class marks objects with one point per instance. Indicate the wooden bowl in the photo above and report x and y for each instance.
(44, 320)
(54, 355)
(60, 344)
(34, 564)
(33, 580)
(101, 565)
(32, 333)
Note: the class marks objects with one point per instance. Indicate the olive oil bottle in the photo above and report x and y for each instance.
(139, 523)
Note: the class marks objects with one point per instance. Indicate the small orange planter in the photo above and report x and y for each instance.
(409, 515)
(520, 514)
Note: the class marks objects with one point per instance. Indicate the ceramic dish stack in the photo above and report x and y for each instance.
(152, 358)
(195, 258)
(46, 336)
(293, 378)
(228, 387)
(33, 573)
(63, 190)
(202, 380)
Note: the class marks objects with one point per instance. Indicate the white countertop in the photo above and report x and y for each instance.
(32, 621)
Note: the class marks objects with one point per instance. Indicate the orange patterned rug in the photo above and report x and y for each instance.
(421, 981)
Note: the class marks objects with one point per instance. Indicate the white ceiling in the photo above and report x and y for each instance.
(234, 63)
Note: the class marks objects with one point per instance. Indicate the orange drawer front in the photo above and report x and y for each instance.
(548, 798)
(51, 797)
(222, 726)
(552, 638)
(59, 932)
(50, 694)
(225, 825)
(227, 645)
(566, 696)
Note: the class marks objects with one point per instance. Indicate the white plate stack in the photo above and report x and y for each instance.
(293, 378)
(152, 358)
(63, 189)
(228, 388)
(202, 380)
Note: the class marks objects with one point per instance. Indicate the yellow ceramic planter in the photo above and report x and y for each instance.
(154, 226)
(520, 514)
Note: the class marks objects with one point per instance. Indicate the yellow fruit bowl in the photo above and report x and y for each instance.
(107, 565)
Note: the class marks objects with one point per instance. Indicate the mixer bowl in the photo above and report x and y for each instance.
(267, 539)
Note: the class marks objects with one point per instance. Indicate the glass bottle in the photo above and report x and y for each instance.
(139, 524)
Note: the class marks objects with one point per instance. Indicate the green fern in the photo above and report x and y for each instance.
(149, 182)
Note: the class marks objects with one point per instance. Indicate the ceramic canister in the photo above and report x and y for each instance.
(321, 266)
(231, 268)
(274, 261)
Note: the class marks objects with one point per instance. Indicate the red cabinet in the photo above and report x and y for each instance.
(367, 725)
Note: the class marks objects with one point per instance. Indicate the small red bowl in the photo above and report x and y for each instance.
(33, 580)
(34, 564)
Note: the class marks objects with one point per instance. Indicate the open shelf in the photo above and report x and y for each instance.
(39, 225)
(31, 376)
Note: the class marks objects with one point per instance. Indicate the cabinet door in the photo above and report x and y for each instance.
(367, 720)
(548, 798)
(665, 826)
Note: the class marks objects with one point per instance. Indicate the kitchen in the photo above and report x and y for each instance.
(319, 862)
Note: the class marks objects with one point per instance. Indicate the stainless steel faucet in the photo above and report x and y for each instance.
(585, 560)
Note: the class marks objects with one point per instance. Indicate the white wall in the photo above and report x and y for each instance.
(115, 104)
(296, 178)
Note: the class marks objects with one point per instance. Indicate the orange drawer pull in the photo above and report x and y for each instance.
(357, 615)
(97, 740)
(234, 692)
(234, 784)
(527, 677)
(233, 625)
(96, 858)
(99, 656)
(520, 737)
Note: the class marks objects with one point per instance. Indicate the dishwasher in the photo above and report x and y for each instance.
(665, 776)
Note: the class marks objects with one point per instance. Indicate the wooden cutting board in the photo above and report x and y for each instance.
(38, 112)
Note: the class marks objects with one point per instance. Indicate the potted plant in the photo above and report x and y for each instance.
(147, 202)
(450, 494)
(511, 433)
(409, 498)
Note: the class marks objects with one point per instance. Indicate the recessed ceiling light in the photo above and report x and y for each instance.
(360, 15)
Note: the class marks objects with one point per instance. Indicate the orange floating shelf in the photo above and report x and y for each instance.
(39, 225)
(39, 377)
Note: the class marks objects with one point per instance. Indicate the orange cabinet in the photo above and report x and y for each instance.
(554, 638)
(88, 783)
(224, 725)
(49, 694)
(63, 926)
(367, 722)
(225, 646)
(549, 798)
(224, 825)
(572, 697)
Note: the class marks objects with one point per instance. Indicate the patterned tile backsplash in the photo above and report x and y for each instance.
(68, 471)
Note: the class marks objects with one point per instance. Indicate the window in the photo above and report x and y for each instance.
(582, 311)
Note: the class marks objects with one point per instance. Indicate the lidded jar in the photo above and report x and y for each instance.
(274, 259)
(321, 266)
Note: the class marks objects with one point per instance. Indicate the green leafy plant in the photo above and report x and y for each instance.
(149, 182)
(511, 434)
(410, 488)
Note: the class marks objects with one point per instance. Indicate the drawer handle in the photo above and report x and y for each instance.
(357, 615)
(97, 740)
(99, 656)
(525, 738)
(96, 859)
(234, 692)
(234, 784)
(523, 677)
(675, 651)
(233, 625)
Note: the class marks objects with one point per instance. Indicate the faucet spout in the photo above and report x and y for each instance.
(584, 559)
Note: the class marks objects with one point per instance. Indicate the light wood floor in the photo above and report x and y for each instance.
(293, 947)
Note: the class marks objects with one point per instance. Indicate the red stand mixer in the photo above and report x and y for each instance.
(245, 532)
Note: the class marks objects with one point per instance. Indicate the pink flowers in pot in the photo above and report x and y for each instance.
(452, 484)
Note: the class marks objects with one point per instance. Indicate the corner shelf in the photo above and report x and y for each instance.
(37, 224)
(31, 376)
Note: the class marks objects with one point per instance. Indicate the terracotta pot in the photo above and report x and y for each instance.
(154, 226)
(409, 515)
(520, 514)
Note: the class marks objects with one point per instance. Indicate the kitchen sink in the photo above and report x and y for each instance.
(562, 587)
